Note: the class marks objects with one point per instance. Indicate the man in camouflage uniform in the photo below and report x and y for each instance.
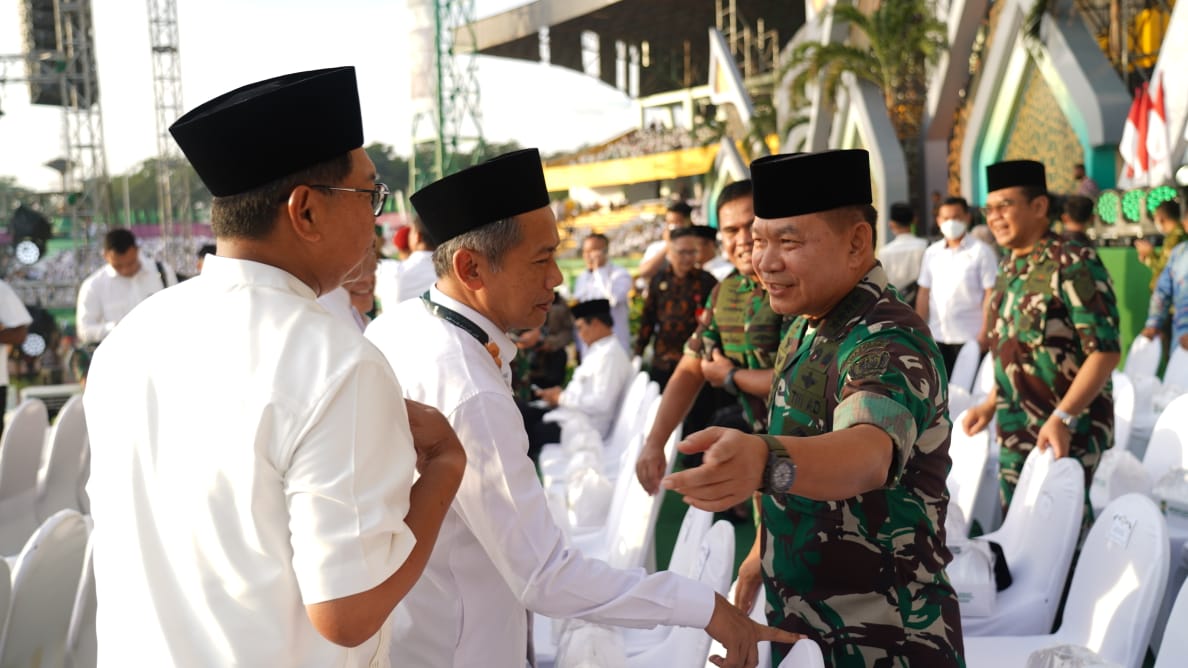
(734, 350)
(1054, 334)
(853, 466)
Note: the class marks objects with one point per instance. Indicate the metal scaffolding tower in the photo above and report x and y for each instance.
(173, 188)
(446, 126)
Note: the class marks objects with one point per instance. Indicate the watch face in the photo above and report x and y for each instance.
(783, 473)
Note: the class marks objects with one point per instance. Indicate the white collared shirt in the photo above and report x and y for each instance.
(612, 283)
(901, 259)
(12, 314)
(409, 278)
(719, 267)
(250, 455)
(499, 551)
(105, 297)
(338, 303)
(597, 385)
(957, 280)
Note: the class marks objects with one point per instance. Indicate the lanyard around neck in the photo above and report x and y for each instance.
(465, 324)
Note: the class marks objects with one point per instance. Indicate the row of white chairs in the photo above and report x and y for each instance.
(43, 469)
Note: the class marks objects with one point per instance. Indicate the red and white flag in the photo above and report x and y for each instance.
(1133, 144)
(1159, 167)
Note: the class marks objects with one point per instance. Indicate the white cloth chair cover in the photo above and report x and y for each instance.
(62, 461)
(5, 592)
(586, 645)
(1166, 449)
(636, 364)
(1118, 472)
(759, 617)
(965, 368)
(1115, 590)
(20, 457)
(984, 382)
(44, 583)
(959, 401)
(1176, 373)
(686, 647)
(1038, 537)
(1173, 650)
(804, 654)
(81, 645)
(969, 455)
(1142, 358)
(685, 551)
(1123, 409)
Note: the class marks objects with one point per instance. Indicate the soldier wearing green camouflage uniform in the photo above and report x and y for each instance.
(1053, 309)
(854, 501)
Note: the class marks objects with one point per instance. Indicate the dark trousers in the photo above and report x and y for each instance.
(539, 431)
(949, 352)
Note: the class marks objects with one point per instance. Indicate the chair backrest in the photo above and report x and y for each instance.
(1039, 533)
(20, 449)
(969, 454)
(630, 533)
(62, 461)
(628, 407)
(1119, 582)
(694, 526)
(965, 368)
(960, 400)
(1142, 359)
(44, 584)
(81, 645)
(5, 592)
(984, 381)
(1167, 448)
(1176, 372)
(804, 654)
(636, 364)
(1173, 651)
(1123, 409)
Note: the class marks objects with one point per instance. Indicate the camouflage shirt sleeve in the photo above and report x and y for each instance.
(888, 382)
(708, 333)
(1092, 306)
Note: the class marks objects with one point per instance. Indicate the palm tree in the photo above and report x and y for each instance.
(893, 47)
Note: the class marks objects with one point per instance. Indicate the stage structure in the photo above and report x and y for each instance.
(173, 187)
(447, 132)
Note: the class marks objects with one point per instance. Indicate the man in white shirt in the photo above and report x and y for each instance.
(501, 554)
(282, 527)
(108, 294)
(593, 392)
(712, 260)
(901, 256)
(678, 215)
(14, 326)
(412, 276)
(956, 277)
(603, 280)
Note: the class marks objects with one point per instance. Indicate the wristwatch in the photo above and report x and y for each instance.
(780, 472)
(1067, 418)
(728, 384)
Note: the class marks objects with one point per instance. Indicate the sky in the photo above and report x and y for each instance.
(228, 43)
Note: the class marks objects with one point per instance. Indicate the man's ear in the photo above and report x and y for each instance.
(466, 264)
(861, 239)
(304, 214)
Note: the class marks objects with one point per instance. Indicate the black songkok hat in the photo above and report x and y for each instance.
(801, 183)
(502, 187)
(263, 131)
(705, 232)
(590, 308)
(1015, 173)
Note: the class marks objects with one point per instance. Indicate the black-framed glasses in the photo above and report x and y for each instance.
(379, 194)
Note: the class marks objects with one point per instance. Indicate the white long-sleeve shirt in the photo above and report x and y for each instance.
(405, 280)
(105, 297)
(499, 552)
(597, 385)
(612, 283)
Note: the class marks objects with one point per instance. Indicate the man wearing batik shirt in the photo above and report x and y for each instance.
(676, 298)
(1054, 335)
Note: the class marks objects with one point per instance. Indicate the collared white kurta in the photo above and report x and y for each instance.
(250, 456)
(612, 283)
(105, 297)
(596, 386)
(499, 551)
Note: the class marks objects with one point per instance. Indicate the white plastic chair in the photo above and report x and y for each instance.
(1038, 537)
(62, 461)
(20, 457)
(804, 654)
(686, 647)
(965, 368)
(984, 381)
(969, 455)
(1115, 590)
(1142, 359)
(1176, 373)
(1123, 409)
(81, 645)
(45, 581)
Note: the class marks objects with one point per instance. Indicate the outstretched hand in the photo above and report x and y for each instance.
(730, 472)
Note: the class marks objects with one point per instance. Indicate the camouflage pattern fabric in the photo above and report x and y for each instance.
(1052, 308)
(745, 329)
(670, 314)
(864, 577)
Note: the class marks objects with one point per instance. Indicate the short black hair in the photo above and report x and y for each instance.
(956, 201)
(598, 236)
(682, 208)
(604, 318)
(252, 214)
(1079, 208)
(119, 240)
(902, 213)
(207, 249)
(1169, 208)
(736, 190)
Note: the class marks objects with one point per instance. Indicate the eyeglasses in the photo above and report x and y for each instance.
(379, 194)
(1000, 208)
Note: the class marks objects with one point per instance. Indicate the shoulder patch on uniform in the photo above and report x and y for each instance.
(870, 363)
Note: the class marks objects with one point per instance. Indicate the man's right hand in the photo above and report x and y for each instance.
(434, 438)
(977, 418)
(741, 636)
(651, 466)
(1149, 332)
(1144, 249)
(750, 580)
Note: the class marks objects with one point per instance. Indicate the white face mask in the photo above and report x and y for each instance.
(952, 228)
